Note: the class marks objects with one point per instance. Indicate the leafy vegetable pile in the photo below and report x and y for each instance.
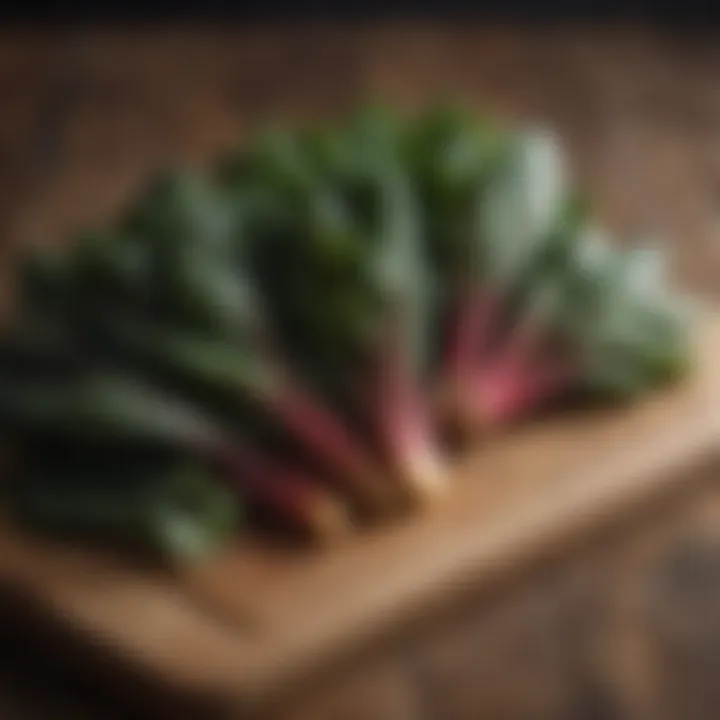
(299, 331)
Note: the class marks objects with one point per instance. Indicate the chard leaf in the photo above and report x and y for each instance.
(522, 204)
(181, 208)
(401, 269)
(208, 361)
(170, 507)
(101, 405)
(452, 158)
(628, 323)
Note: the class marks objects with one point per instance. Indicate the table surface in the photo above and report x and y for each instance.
(631, 626)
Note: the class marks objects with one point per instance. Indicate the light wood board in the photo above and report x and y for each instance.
(245, 624)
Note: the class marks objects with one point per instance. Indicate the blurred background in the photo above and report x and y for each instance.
(561, 9)
(94, 96)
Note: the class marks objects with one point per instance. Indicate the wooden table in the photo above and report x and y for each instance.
(630, 627)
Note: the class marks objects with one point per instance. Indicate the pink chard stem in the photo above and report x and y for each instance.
(285, 493)
(471, 331)
(469, 345)
(321, 432)
(406, 434)
(510, 390)
(327, 437)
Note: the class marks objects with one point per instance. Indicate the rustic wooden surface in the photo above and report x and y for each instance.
(631, 627)
(261, 625)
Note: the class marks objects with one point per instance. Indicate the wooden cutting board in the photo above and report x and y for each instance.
(250, 622)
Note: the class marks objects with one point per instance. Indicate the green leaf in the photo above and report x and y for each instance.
(101, 405)
(401, 271)
(179, 208)
(631, 327)
(452, 157)
(109, 266)
(190, 514)
(170, 507)
(208, 361)
(44, 281)
(522, 204)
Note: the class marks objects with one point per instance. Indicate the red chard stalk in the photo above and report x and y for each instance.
(520, 214)
(228, 370)
(284, 492)
(403, 422)
(110, 406)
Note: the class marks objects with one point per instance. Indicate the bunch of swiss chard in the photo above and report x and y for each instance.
(292, 336)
